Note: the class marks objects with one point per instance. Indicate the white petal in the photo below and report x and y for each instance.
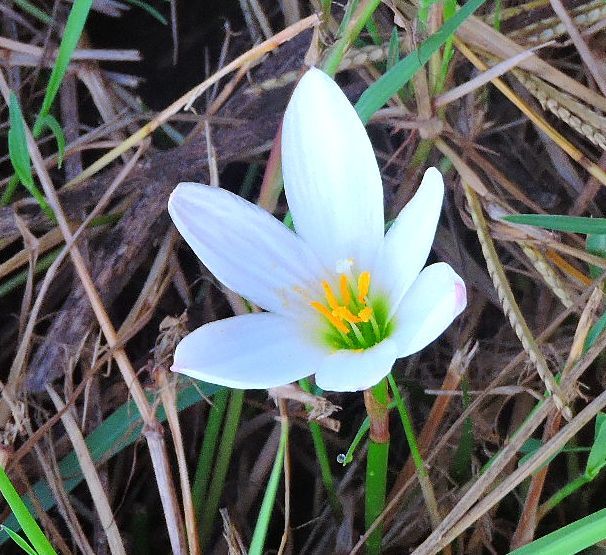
(254, 351)
(349, 370)
(246, 248)
(331, 178)
(409, 239)
(433, 301)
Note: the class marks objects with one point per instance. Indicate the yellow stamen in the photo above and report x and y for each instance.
(344, 313)
(330, 296)
(336, 322)
(365, 314)
(363, 286)
(344, 286)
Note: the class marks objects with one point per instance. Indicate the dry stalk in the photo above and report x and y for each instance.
(166, 388)
(510, 306)
(187, 100)
(393, 504)
(549, 275)
(580, 44)
(18, 362)
(89, 471)
(577, 115)
(466, 513)
(456, 370)
(287, 476)
(152, 429)
(539, 121)
(484, 39)
(529, 518)
(550, 28)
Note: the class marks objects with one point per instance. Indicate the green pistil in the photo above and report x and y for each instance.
(363, 335)
(359, 336)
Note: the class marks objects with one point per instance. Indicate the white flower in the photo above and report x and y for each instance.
(343, 300)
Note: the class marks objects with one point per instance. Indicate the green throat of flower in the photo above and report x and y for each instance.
(353, 321)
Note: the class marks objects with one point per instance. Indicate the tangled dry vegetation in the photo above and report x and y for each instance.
(89, 328)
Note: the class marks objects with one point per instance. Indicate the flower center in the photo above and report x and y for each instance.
(354, 322)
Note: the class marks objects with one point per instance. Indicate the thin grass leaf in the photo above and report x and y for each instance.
(52, 123)
(388, 84)
(595, 243)
(393, 54)
(22, 514)
(71, 35)
(20, 160)
(17, 143)
(207, 452)
(449, 10)
(150, 10)
(119, 430)
(594, 333)
(597, 456)
(269, 499)
(34, 11)
(569, 539)
(19, 540)
(569, 224)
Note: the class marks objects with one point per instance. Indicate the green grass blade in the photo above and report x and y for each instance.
(119, 430)
(322, 457)
(597, 456)
(226, 446)
(17, 143)
(26, 520)
(51, 122)
(392, 81)
(569, 539)
(269, 499)
(150, 10)
(34, 11)
(19, 540)
(71, 35)
(19, 155)
(207, 452)
(570, 224)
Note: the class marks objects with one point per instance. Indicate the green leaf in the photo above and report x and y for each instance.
(569, 539)
(570, 224)
(71, 35)
(19, 540)
(393, 80)
(23, 516)
(17, 142)
(597, 456)
(51, 122)
(119, 430)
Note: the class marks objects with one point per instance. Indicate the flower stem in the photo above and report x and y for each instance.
(376, 400)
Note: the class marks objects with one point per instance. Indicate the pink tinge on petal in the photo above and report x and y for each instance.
(460, 297)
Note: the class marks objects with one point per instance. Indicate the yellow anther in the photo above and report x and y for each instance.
(344, 286)
(344, 313)
(329, 294)
(338, 324)
(365, 314)
(363, 286)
